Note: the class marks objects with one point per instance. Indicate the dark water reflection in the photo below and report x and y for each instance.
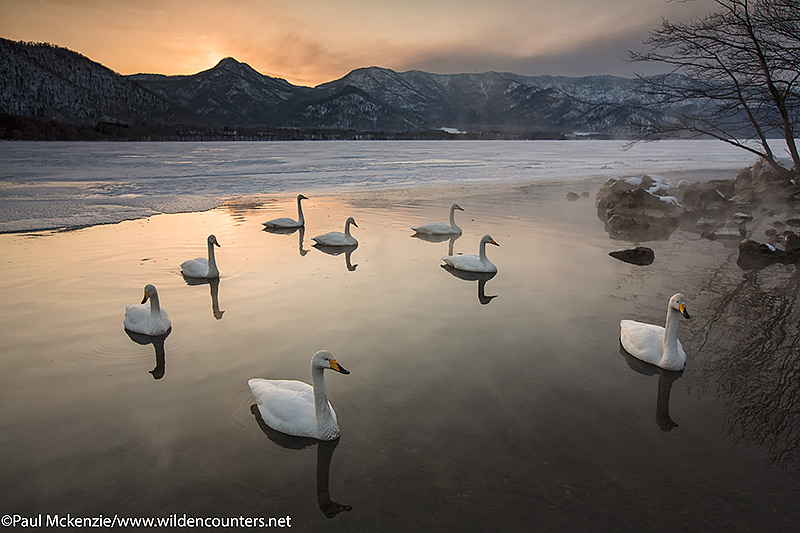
(517, 415)
(325, 451)
(480, 277)
(339, 250)
(301, 232)
(665, 380)
(752, 340)
(213, 284)
(158, 345)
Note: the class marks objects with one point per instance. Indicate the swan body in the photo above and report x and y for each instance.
(657, 345)
(337, 238)
(440, 228)
(472, 262)
(147, 319)
(297, 408)
(202, 267)
(286, 222)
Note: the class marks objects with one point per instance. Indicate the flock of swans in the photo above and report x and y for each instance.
(299, 409)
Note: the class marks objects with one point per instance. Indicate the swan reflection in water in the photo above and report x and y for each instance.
(665, 380)
(301, 232)
(214, 285)
(325, 451)
(480, 277)
(337, 250)
(158, 344)
(439, 238)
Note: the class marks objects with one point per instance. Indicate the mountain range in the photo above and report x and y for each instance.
(47, 83)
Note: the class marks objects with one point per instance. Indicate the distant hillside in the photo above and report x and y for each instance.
(52, 83)
(49, 83)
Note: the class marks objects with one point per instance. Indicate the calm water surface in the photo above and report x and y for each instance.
(471, 405)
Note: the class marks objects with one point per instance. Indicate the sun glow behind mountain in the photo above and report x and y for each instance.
(308, 42)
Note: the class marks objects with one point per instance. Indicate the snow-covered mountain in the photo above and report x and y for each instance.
(53, 83)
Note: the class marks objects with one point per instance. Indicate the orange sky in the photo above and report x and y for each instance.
(308, 42)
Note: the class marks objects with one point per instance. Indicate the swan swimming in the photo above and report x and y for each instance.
(337, 238)
(657, 345)
(297, 408)
(147, 320)
(286, 222)
(202, 267)
(440, 228)
(472, 262)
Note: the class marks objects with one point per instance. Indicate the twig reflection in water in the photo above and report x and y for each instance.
(751, 346)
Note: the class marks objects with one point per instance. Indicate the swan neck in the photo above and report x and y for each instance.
(300, 218)
(326, 425)
(155, 307)
(453, 219)
(212, 262)
(670, 342)
(482, 252)
(347, 228)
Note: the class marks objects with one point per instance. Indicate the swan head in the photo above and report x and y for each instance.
(301, 197)
(149, 292)
(678, 303)
(456, 207)
(351, 220)
(325, 360)
(488, 240)
(213, 240)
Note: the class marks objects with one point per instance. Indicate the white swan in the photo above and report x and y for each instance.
(286, 222)
(337, 238)
(440, 228)
(147, 320)
(297, 408)
(472, 262)
(202, 267)
(654, 344)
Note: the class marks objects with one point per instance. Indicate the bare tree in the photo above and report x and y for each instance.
(735, 75)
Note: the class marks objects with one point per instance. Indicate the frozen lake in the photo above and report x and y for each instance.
(472, 405)
(52, 185)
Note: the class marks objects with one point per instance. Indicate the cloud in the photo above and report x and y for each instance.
(313, 41)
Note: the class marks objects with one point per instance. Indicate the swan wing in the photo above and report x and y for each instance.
(436, 228)
(195, 267)
(643, 341)
(335, 238)
(284, 222)
(286, 406)
(468, 262)
(137, 318)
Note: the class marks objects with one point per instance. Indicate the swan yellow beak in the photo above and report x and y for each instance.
(336, 366)
(684, 312)
(217, 244)
(146, 296)
(494, 242)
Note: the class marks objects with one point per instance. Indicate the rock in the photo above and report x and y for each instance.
(755, 255)
(710, 196)
(791, 242)
(724, 233)
(584, 194)
(572, 196)
(631, 211)
(794, 222)
(641, 255)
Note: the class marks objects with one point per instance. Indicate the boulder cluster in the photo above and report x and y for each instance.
(760, 203)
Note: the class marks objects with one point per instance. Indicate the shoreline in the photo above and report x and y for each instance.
(488, 187)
